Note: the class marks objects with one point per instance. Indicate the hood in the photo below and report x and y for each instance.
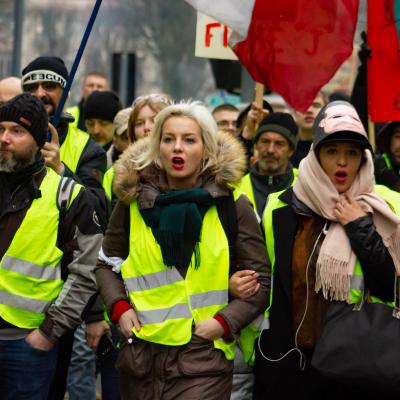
(385, 134)
(230, 166)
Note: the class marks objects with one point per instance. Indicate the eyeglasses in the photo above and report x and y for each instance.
(154, 97)
(32, 87)
(225, 124)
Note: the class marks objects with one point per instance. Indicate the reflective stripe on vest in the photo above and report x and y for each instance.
(30, 273)
(108, 181)
(167, 304)
(22, 303)
(49, 273)
(74, 111)
(73, 146)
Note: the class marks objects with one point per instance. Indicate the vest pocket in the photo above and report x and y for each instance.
(135, 358)
(200, 358)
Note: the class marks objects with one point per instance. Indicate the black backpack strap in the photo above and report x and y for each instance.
(64, 194)
(227, 215)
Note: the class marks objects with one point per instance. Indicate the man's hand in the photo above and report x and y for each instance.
(209, 329)
(254, 117)
(38, 341)
(347, 210)
(94, 332)
(127, 321)
(51, 152)
(243, 284)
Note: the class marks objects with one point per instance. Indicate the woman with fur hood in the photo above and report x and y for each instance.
(164, 267)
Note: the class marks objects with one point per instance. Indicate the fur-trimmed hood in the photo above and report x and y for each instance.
(128, 183)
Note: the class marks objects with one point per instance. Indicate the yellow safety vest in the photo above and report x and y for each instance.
(30, 271)
(167, 304)
(246, 187)
(108, 181)
(73, 146)
(74, 111)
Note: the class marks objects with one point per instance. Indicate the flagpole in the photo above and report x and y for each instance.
(71, 76)
(371, 134)
(259, 96)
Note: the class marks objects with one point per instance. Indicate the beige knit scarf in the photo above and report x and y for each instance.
(336, 260)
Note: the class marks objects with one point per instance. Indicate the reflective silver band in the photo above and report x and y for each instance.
(151, 281)
(357, 282)
(23, 303)
(29, 269)
(261, 322)
(211, 298)
(180, 310)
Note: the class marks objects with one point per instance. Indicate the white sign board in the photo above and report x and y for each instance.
(212, 39)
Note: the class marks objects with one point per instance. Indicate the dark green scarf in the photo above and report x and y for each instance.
(176, 221)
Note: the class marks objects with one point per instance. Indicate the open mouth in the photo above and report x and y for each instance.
(178, 162)
(340, 176)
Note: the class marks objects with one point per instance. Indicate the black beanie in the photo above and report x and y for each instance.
(102, 105)
(29, 112)
(45, 69)
(279, 122)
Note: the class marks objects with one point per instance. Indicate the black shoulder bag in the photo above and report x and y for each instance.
(360, 344)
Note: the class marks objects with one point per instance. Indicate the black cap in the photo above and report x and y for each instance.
(338, 121)
(45, 69)
(245, 111)
(279, 122)
(102, 105)
(385, 135)
(29, 112)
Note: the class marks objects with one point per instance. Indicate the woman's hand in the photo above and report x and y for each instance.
(243, 284)
(127, 321)
(94, 332)
(209, 329)
(347, 209)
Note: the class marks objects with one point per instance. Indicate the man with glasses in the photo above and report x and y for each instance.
(73, 154)
(225, 116)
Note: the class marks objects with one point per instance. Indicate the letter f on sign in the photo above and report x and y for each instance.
(209, 35)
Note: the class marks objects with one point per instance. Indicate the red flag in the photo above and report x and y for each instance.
(293, 47)
(384, 64)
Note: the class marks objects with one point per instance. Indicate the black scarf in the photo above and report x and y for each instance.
(9, 181)
(176, 220)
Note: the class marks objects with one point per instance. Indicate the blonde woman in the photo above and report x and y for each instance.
(164, 267)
